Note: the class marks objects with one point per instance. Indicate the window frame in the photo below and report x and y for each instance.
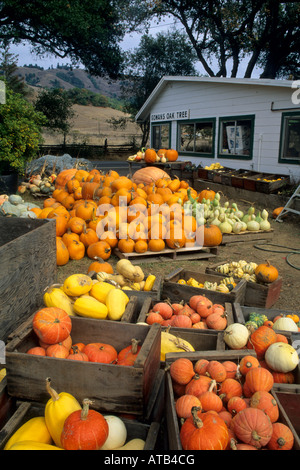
(282, 137)
(222, 120)
(161, 123)
(195, 121)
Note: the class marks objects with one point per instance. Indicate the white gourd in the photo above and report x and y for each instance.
(117, 433)
(285, 324)
(236, 335)
(281, 357)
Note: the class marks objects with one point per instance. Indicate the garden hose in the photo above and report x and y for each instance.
(292, 252)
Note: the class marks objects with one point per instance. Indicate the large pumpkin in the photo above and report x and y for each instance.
(206, 194)
(63, 177)
(252, 426)
(208, 235)
(265, 272)
(149, 175)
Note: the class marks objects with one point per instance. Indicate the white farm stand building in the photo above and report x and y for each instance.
(251, 124)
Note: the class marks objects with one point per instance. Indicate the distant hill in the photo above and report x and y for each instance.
(66, 78)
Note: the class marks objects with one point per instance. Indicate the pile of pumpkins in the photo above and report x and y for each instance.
(37, 184)
(227, 405)
(151, 156)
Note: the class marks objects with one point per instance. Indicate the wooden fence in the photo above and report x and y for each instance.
(90, 152)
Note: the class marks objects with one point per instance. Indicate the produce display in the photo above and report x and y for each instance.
(220, 404)
(227, 405)
(199, 313)
(66, 425)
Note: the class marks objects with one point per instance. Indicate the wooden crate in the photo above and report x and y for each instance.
(290, 404)
(256, 294)
(194, 252)
(250, 181)
(28, 266)
(26, 411)
(7, 404)
(246, 236)
(172, 421)
(184, 292)
(112, 387)
(237, 179)
(227, 177)
(193, 334)
(269, 187)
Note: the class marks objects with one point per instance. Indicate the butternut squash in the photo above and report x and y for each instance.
(33, 445)
(116, 302)
(134, 444)
(34, 429)
(57, 409)
(126, 268)
(89, 307)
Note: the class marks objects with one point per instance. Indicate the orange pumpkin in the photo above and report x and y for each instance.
(150, 155)
(171, 155)
(206, 194)
(52, 325)
(63, 177)
(62, 253)
(100, 249)
(208, 235)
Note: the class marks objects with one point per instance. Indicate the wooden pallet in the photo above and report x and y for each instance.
(167, 254)
(247, 236)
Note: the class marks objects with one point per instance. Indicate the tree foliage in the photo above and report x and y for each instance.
(164, 54)
(84, 31)
(225, 33)
(20, 132)
(56, 105)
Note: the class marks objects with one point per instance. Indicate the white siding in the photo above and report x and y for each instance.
(214, 100)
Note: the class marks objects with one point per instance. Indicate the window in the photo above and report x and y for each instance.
(236, 137)
(160, 136)
(196, 138)
(290, 138)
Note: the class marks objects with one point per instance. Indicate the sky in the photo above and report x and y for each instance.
(25, 56)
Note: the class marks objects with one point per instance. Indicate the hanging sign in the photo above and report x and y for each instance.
(170, 115)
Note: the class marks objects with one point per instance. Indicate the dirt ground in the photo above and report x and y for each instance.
(285, 234)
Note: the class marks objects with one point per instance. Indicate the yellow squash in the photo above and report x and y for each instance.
(34, 429)
(32, 445)
(116, 302)
(57, 409)
(173, 344)
(77, 284)
(100, 290)
(89, 307)
(56, 297)
(149, 282)
(2, 374)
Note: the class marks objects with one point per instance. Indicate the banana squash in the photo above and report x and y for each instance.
(116, 302)
(89, 307)
(149, 282)
(33, 445)
(100, 290)
(34, 429)
(57, 409)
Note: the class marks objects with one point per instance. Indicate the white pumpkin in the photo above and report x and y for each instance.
(281, 357)
(286, 324)
(117, 433)
(236, 335)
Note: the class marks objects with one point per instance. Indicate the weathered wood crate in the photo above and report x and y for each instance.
(28, 266)
(113, 388)
(256, 294)
(194, 252)
(246, 236)
(290, 403)
(27, 410)
(184, 292)
(194, 336)
(266, 185)
(172, 421)
(241, 312)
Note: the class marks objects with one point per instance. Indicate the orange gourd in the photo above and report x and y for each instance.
(182, 371)
(150, 155)
(62, 253)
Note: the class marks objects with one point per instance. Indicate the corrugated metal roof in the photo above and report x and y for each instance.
(145, 109)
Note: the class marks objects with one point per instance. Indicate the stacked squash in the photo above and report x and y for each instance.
(225, 405)
(97, 212)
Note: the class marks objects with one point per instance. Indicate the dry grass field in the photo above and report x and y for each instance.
(90, 126)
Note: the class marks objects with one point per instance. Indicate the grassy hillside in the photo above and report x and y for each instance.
(90, 124)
